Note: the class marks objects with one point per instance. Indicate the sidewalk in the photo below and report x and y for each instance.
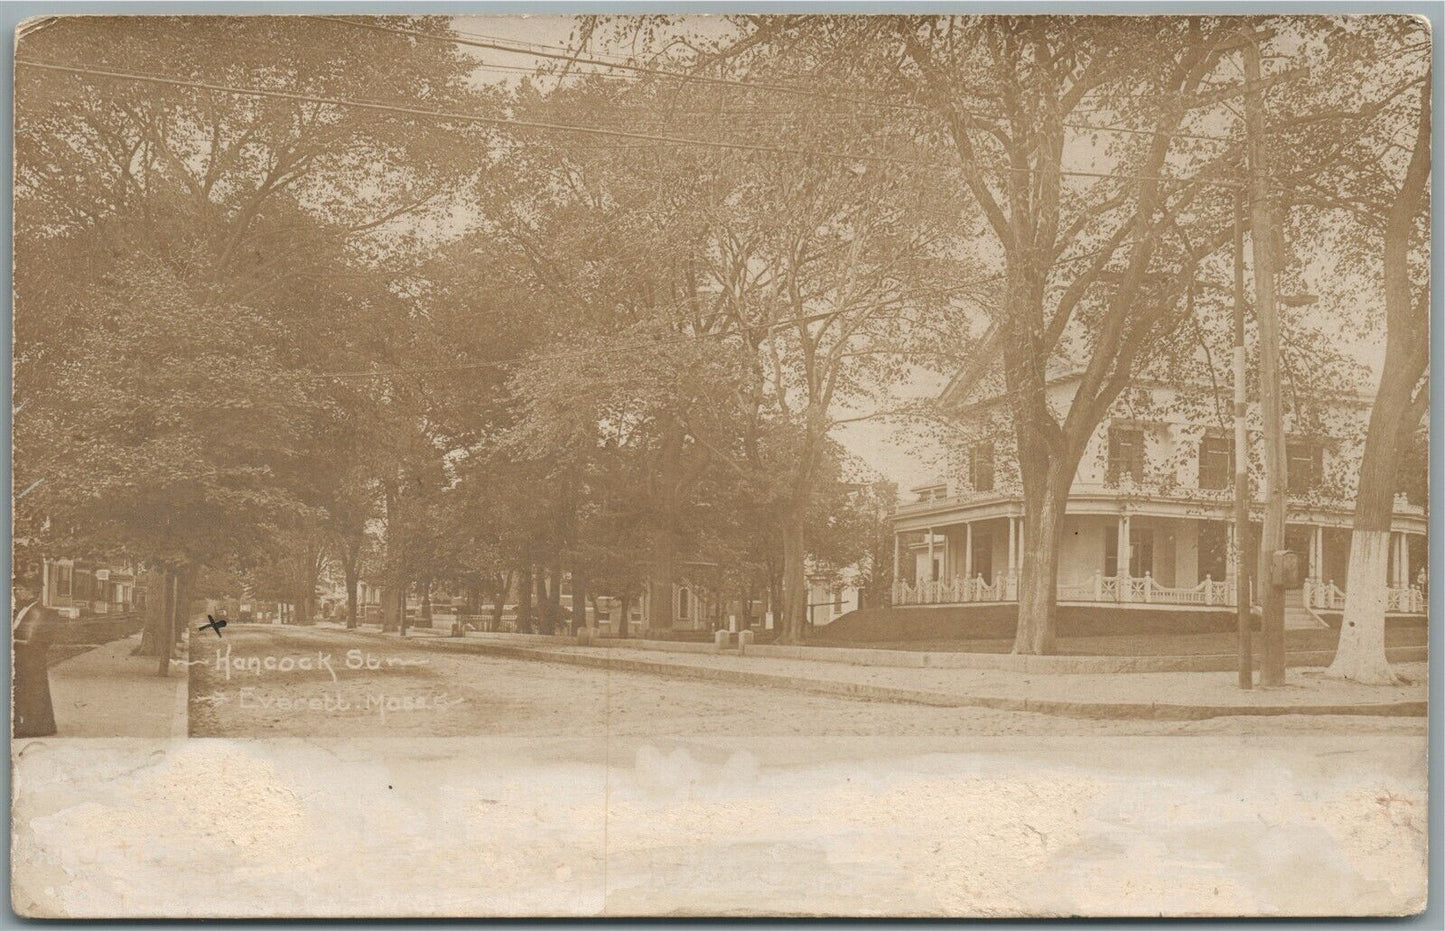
(1063, 663)
(106, 692)
(1158, 695)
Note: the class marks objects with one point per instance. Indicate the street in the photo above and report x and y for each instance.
(276, 681)
(424, 782)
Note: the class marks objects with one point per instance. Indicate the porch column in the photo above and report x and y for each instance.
(1230, 551)
(968, 549)
(1405, 580)
(45, 582)
(930, 555)
(897, 546)
(1311, 559)
(1392, 577)
(1012, 544)
(1121, 567)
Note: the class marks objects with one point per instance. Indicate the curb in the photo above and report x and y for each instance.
(1157, 711)
(1057, 664)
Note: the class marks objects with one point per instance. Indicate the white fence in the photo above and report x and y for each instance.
(1121, 589)
(1327, 596)
(955, 590)
(1125, 589)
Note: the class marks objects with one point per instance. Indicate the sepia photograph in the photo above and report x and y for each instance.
(672, 465)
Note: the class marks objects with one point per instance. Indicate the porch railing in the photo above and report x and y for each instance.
(1126, 589)
(1327, 596)
(1121, 589)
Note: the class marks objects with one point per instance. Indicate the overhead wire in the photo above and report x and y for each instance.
(460, 38)
(681, 141)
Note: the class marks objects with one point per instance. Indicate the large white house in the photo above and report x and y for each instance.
(1150, 514)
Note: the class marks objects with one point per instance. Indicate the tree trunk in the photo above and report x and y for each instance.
(166, 634)
(555, 592)
(1042, 526)
(501, 603)
(352, 580)
(396, 559)
(775, 600)
(621, 626)
(388, 609)
(303, 605)
(308, 570)
(185, 589)
(154, 632)
(794, 581)
(425, 619)
(579, 600)
(662, 578)
(1046, 495)
(545, 612)
(1361, 652)
(524, 601)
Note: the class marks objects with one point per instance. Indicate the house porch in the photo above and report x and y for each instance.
(1135, 559)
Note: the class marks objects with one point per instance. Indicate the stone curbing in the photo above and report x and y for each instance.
(911, 659)
(1056, 664)
(1119, 710)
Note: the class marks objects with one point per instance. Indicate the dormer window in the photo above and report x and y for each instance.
(1126, 455)
(980, 466)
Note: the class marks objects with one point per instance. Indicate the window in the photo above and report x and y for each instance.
(684, 603)
(1216, 462)
(980, 466)
(838, 602)
(1305, 466)
(1126, 454)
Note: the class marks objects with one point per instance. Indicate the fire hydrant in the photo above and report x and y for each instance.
(34, 628)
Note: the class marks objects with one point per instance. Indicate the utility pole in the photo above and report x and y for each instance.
(1241, 461)
(1262, 241)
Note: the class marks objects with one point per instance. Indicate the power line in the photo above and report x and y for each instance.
(638, 69)
(460, 38)
(455, 116)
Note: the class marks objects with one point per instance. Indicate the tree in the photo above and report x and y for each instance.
(1114, 299)
(1400, 403)
(185, 257)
